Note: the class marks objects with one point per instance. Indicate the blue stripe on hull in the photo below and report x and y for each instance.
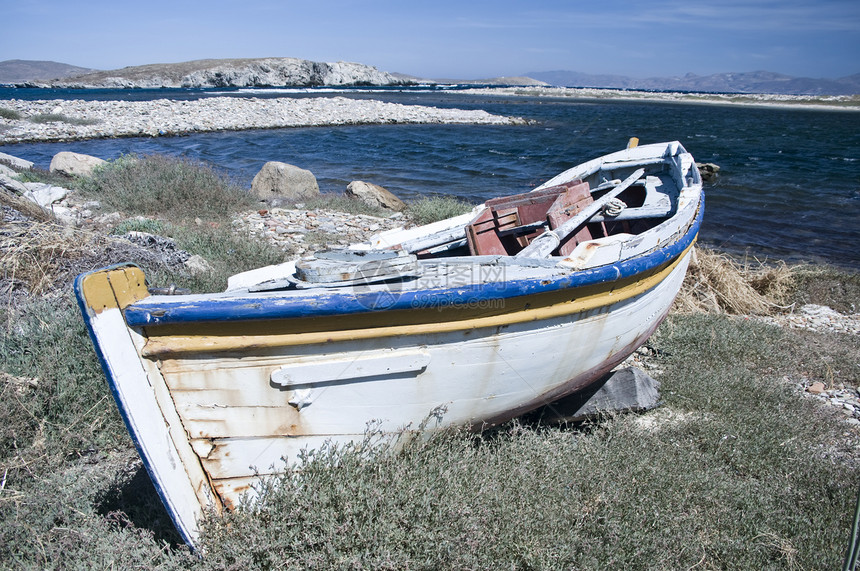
(345, 302)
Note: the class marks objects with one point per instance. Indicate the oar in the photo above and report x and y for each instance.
(543, 245)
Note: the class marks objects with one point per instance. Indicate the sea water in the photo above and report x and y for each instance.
(788, 188)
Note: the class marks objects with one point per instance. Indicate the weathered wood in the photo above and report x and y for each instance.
(543, 245)
(339, 266)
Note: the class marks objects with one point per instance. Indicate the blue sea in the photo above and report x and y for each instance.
(788, 188)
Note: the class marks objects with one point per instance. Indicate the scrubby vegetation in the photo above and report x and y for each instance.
(341, 203)
(736, 469)
(60, 118)
(433, 208)
(10, 114)
(173, 188)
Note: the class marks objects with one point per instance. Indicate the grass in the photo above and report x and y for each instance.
(42, 118)
(434, 208)
(735, 470)
(10, 114)
(168, 187)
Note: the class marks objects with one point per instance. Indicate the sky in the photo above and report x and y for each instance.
(450, 39)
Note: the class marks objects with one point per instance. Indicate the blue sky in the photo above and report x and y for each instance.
(458, 39)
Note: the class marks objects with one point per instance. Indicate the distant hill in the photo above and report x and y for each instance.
(504, 80)
(289, 72)
(19, 70)
(748, 82)
(246, 72)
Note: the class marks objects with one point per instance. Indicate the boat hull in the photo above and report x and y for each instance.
(218, 390)
(233, 415)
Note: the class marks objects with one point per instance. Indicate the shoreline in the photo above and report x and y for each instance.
(801, 102)
(72, 120)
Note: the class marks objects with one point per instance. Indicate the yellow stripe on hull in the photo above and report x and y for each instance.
(243, 337)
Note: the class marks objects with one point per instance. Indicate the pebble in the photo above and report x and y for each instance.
(161, 117)
(844, 398)
(300, 231)
(818, 318)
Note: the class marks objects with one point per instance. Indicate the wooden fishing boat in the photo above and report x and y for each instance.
(488, 315)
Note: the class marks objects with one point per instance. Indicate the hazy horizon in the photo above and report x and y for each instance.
(448, 39)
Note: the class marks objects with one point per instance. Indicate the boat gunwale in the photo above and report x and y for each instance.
(330, 302)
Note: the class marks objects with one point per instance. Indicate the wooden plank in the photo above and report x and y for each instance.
(325, 369)
(547, 242)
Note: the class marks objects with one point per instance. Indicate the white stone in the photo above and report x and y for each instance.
(197, 265)
(45, 194)
(16, 162)
(74, 164)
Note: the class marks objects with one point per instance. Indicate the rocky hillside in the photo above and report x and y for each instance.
(257, 72)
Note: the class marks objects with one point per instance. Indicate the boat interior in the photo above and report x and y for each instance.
(597, 210)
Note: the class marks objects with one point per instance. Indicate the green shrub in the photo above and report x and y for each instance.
(434, 208)
(36, 174)
(226, 252)
(10, 114)
(173, 188)
(838, 288)
(60, 118)
(68, 408)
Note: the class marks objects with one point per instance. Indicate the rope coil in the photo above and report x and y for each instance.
(614, 207)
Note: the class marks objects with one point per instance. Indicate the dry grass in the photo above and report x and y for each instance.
(38, 255)
(717, 283)
(42, 258)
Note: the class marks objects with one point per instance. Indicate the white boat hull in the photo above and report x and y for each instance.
(218, 391)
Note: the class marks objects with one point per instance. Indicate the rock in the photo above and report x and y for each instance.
(816, 388)
(7, 172)
(374, 195)
(100, 119)
(11, 185)
(165, 248)
(708, 171)
(628, 389)
(15, 162)
(251, 72)
(45, 194)
(13, 194)
(284, 181)
(74, 164)
(197, 265)
(109, 219)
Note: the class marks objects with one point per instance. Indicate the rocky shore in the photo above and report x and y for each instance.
(67, 120)
(829, 102)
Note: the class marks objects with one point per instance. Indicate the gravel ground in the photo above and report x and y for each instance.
(66, 120)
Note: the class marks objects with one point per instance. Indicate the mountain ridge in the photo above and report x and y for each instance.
(733, 82)
(20, 70)
(283, 72)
